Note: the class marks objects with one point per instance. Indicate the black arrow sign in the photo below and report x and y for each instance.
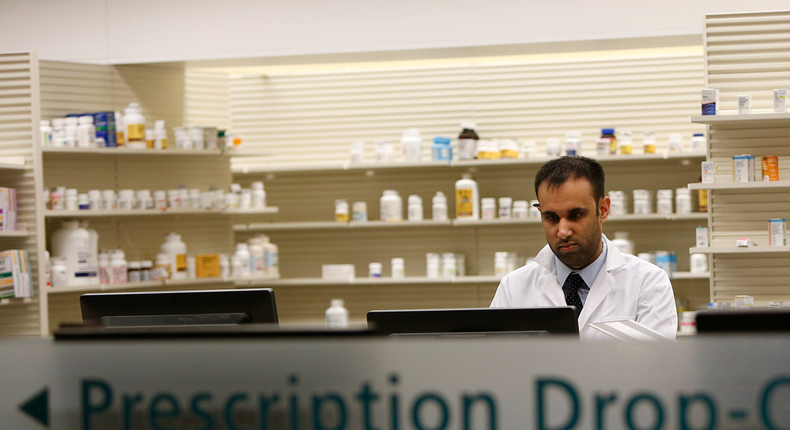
(37, 407)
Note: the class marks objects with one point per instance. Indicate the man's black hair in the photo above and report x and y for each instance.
(559, 170)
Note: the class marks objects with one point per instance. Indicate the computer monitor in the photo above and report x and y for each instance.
(179, 308)
(752, 321)
(476, 322)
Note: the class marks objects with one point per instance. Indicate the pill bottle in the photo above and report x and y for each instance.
(191, 267)
(649, 142)
(699, 263)
(243, 254)
(411, 145)
(573, 143)
(622, 243)
(59, 272)
(72, 131)
(433, 265)
(337, 315)
(59, 132)
(448, 265)
(162, 268)
(71, 199)
(56, 199)
(608, 135)
(493, 149)
(160, 134)
(118, 268)
(467, 198)
(257, 255)
(356, 153)
(245, 200)
(391, 206)
(374, 270)
(414, 208)
(149, 138)
(359, 211)
(664, 202)
(177, 252)
(133, 274)
(508, 148)
(460, 264)
(500, 264)
(120, 129)
(383, 152)
(196, 137)
(527, 149)
(145, 270)
(134, 123)
(683, 201)
(86, 132)
(618, 205)
(439, 207)
(174, 199)
(224, 265)
(160, 200)
(194, 199)
(675, 143)
(258, 195)
(520, 209)
(110, 200)
(643, 202)
(45, 133)
(441, 149)
(105, 273)
(183, 197)
(144, 200)
(83, 202)
(553, 148)
(126, 200)
(505, 207)
(341, 211)
(467, 141)
(398, 268)
(698, 142)
(488, 208)
(95, 199)
(625, 143)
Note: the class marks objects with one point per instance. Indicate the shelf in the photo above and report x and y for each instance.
(142, 212)
(739, 250)
(244, 170)
(658, 217)
(11, 301)
(744, 121)
(740, 185)
(13, 166)
(127, 151)
(15, 233)
(306, 282)
(689, 275)
(400, 224)
(239, 282)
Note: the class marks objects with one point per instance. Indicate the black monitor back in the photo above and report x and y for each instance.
(179, 308)
(753, 321)
(476, 321)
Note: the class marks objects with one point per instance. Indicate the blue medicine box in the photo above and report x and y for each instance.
(105, 128)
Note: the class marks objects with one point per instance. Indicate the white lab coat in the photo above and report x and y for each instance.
(627, 288)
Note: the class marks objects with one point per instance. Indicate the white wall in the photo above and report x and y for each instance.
(126, 31)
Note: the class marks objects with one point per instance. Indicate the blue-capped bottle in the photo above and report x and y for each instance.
(441, 149)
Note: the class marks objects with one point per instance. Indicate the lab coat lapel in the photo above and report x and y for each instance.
(603, 283)
(550, 287)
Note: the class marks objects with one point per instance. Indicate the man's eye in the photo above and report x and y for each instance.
(575, 216)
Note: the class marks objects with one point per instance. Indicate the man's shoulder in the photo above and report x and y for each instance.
(528, 270)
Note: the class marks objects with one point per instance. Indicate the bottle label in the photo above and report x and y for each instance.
(119, 275)
(135, 132)
(650, 148)
(464, 203)
(181, 262)
(119, 138)
(467, 149)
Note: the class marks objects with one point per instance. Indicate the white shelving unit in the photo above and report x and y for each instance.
(742, 186)
(56, 151)
(741, 250)
(141, 212)
(164, 283)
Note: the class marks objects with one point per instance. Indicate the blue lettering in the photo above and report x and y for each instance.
(601, 403)
(204, 415)
(89, 408)
(469, 402)
(157, 413)
(542, 413)
(765, 403)
(444, 411)
(394, 403)
(644, 397)
(685, 402)
(263, 409)
(318, 407)
(366, 397)
(128, 409)
(232, 400)
(294, 403)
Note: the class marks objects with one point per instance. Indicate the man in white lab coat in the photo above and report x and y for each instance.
(580, 266)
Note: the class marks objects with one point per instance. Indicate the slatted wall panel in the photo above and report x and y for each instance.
(163, 93)
(312, 118)
(18, 120)
(207, 99)
(748, 54)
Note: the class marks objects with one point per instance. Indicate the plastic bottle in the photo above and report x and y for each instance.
(149, 138)
(93, 249)
(118, 268)
(56, 199)
(439, 207)
(245, 201)
(649, 142)
(411, 145)
(194, 199)
(699, 263)
(433, 265)
(448, 265)
(160, 200)
(60, 277)
(86, 132)
(196, 135)
(224, 266)
(664, 202)
(520, 209)
(391, 206)
(488, 208)
(104, 268)
(183, 198)
(607, 134)
(527, 149)
(258, 195)
(134, 123)
(59, 132)
(72, 127)
(500, 264)
(45, 131)
(415, 208)
(675, 142)
(508, 148)
(174, 199)
(177, 252)
(120, 129)
(163, 266)
(145, 270)
(337, 315)
(243, 255)
(110, 202)
(94, 196)
(441, 149)
(191, 267)
(398, 268)
(356, 153)
(271, 257)
(126, 200)
(573, 143)
(698, 142)
(622, 243)
(359, 212)
(374, 270)
(255, 248)
(626, 145)
(383, 152)
(505, 207)
(553, 148)
(467, 198)
(133, 274)
(683, 201)
(71, 199)
(144, 200)
(83, 202)
(341, 211)
(467, 141)
(160, 134)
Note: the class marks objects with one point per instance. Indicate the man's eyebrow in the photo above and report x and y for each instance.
(577, 210)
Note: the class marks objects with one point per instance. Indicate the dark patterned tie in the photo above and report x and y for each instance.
(571, 289)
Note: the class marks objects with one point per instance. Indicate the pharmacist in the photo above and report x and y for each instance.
(580, 266)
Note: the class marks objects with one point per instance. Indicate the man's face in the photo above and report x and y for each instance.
(571, 222)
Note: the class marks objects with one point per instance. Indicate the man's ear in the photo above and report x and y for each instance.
(603, 208)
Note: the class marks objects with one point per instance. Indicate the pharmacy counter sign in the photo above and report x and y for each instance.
(717, 383)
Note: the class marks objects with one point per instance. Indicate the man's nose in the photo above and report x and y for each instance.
(564, 231)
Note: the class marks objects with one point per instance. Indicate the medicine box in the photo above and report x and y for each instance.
(8, 209)
(15, 274)
(105, 129)
(207, 265)
(337, 271)
(709, 172)
(710, 101)
(780, 101)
